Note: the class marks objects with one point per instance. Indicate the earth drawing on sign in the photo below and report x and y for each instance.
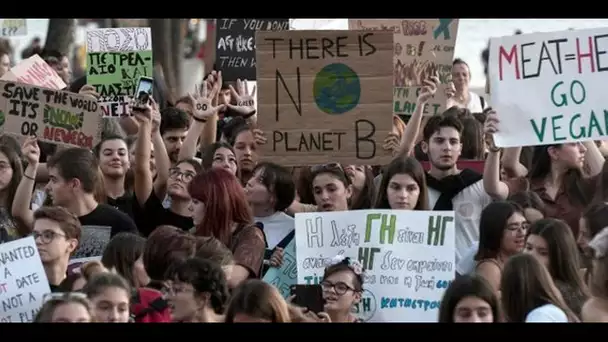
(337, 89)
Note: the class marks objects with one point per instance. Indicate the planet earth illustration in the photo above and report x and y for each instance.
(337, 89)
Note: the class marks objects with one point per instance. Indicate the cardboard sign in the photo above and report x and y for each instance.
(116, 59)
(422, 47)
(23, 282)
(55, 116)
(322, 95)
(13, 27)
(235, 42)
(35, 71)
(547, 88)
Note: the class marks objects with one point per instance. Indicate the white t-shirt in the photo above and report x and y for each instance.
(547, 313)
(468, 205)
(467, 263)
(276, 227)
(474, 104)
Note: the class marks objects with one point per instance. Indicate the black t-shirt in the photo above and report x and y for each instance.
(107, 216)
(123, 203)
(153, 214)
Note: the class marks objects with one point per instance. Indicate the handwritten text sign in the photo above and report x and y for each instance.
(56, 116)
(235, 42)
(35, 71)
(23, 282)
(322, 94)
(13, 27)
(408, 257)
(548, 87)
(286, 275)
(116, 59)
(422, 47)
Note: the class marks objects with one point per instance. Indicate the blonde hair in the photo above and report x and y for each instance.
(398, 125)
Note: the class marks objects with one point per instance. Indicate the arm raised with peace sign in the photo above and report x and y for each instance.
(202, 108)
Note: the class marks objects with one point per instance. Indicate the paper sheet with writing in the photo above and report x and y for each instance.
(23, 282)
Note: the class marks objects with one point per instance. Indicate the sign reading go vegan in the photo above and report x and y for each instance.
(56, 116)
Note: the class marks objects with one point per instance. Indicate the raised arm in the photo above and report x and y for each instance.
(143, 175)
(491, 171)
(21, 206)
(410, 134)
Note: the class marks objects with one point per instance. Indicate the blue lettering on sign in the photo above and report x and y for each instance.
(409, 303)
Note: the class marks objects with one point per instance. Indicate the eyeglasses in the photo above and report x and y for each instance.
(186, 176)
(63, 296)
(46, 236)
(339, 287)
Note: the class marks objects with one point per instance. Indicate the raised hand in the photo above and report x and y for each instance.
(490, 126)
(155, 115)
(259, 137)
(30, 150)
(391, 142)
(202, 108)
(429, 89)
(245, 105)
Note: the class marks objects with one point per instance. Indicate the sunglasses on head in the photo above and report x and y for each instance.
(329, 166)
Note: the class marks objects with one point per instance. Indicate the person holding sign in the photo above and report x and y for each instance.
(342, 287)
(269, 192)
(556, 175)
(449, 188)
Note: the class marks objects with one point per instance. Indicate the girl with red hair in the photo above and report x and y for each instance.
(221, 210)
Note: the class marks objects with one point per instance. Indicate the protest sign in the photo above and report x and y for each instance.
(13, 27)
(286, 275)
(35, 71)
(422, 47)
(23, 282)
(547, 87)
(56, 116)
(116, 59)
(235, 42)
(408, 256)
(322, 94)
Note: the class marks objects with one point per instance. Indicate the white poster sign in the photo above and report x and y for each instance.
(408, 257)
(548, 88)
